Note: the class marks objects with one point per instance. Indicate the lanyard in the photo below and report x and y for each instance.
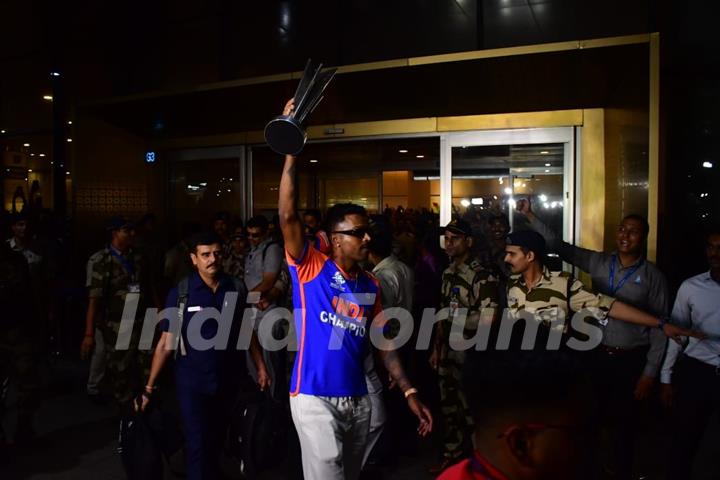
(615, 288)
(129, 268)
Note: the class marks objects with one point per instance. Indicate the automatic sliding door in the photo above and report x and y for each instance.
(491, 170)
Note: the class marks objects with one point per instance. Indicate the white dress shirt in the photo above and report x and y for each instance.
(698, 306)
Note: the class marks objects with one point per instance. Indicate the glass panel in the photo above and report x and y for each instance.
(376, 174)
(488, 180)
(201, 188)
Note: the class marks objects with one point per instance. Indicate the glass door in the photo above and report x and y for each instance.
(485, 173)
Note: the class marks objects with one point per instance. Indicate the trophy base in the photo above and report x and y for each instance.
(285, 136)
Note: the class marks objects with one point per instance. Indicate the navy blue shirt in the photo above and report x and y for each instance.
(208, 370)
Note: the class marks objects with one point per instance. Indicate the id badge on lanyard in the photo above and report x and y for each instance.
(133, 286)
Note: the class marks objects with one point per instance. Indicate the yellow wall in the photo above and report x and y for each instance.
(592, 180)
(626, 167)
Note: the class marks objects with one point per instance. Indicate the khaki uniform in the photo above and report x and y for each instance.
(557, 295)
(478, 293)
(234, 263)
(109, 281)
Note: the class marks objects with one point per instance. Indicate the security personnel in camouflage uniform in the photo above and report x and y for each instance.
(477, 291)
(113, 272)
(18, 344)
(550, 296)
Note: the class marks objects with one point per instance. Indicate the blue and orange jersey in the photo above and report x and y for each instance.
(333, 314)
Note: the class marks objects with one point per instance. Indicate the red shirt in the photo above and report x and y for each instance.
(475, 468)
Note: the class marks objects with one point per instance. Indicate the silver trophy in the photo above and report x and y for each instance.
(285, 134)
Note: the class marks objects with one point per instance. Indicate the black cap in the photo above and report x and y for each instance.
(117, 223)
(459, 227)
(527, 239)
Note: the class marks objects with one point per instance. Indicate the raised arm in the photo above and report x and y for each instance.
(582, 258)
(290, 223)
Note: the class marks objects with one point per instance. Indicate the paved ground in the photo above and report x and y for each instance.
(81, 441)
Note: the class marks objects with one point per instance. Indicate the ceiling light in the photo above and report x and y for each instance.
(32, 154)
(477, 201)
(419, 156)
(402, 150)
(2, 131)
(542, 197)
(547, 171)
(547, 164)
(69, 140)
(47, 97)
(465, 202)
(67, 173)
(313, 161)
(508, 191)
(54, 74)
(707, 164)
(41, 155)
(26, 145)
(29, 170)
(524, 185)
(544, 152)
(69, 122)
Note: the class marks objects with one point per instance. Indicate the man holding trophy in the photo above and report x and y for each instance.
(337, 304)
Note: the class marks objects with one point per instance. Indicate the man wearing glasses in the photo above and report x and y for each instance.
(337, 305)
(533, 414)
(466, 284)
(262, 268)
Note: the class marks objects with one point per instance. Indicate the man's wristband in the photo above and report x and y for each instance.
(410, 391)
(662, 321)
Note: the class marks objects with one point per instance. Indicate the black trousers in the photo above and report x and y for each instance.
(614, 377)
(697, 397)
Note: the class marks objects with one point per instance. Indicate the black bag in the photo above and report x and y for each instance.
(140, 450)
(256, 435)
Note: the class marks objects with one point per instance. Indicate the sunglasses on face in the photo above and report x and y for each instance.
(358, 232)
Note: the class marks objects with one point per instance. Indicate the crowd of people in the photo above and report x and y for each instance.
(514, 406)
